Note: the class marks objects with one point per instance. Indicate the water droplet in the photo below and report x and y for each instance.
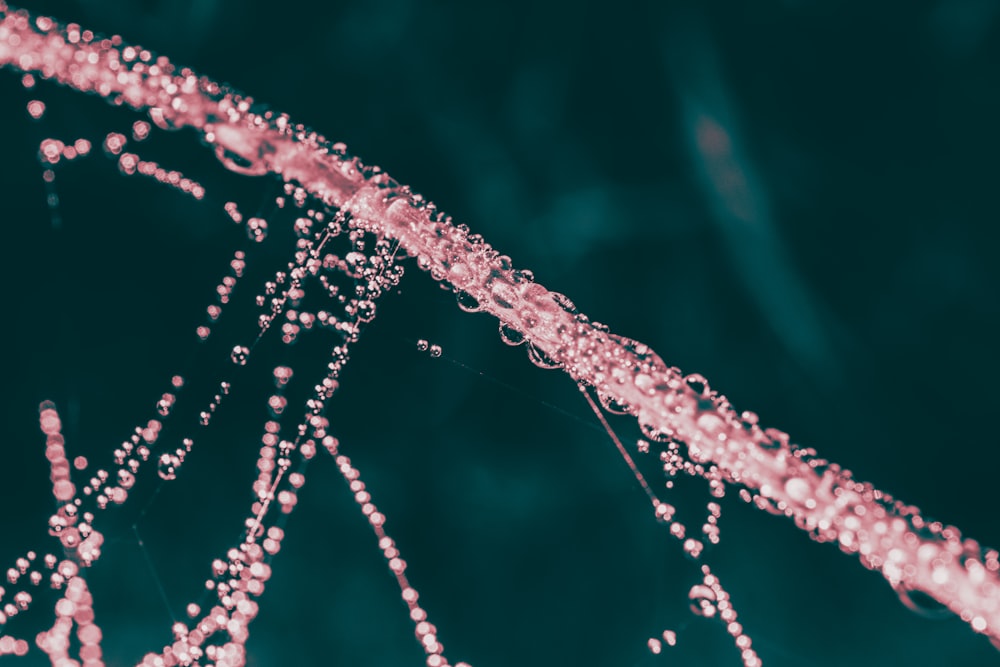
(468, 303)
(654, 433)
(612, 404)
(36, 108)
(422, 345)
(702, 601)
(797, 489)
(167, 466)
(237, 163)
(257, 229)
(563, 302)
(697, 383)
(240, 354)
(503, 295)
(125, 479)
(435, 351)
(538, 357)
(510, 335)
(693, 548)
(922, 603)
(365, 310)
(665, 512)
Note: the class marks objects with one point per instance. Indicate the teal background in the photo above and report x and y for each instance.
(850, 301)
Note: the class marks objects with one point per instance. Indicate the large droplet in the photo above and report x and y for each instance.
(921, 603)
(503, 295)
(538, 357)
(612, 404)
(247, 160)
(468, 303)
(797, 489)
(654, 433)
(510, 335)
(697, 383)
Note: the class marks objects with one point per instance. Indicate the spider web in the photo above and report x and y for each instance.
(125, 284)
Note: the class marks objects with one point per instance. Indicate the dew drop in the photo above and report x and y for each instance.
(797, 489)
(510, 335)
(702, 601)
(654, 433)
(563, 302)
(422, 345)
(921, 603)
(238, 163)
(468, 303)
(365, 310)
(257, 229)
(240, 354)
(125, 479)
(693, 548)
(36, 108)
(167, 465)
(697, 383)
(435, 351)
(611, 404)
(503, 295)
(538, 357)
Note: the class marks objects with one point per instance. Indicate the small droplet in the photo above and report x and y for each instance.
(422, 345)
(702, 601)
(257, 229)
(366, 310)
(167, 465)
(140, 130)
(240, 354)
(435, 351)
(36, 108)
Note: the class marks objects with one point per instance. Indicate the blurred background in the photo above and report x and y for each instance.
(795, 199)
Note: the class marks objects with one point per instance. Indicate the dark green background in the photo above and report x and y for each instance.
(855, 308)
